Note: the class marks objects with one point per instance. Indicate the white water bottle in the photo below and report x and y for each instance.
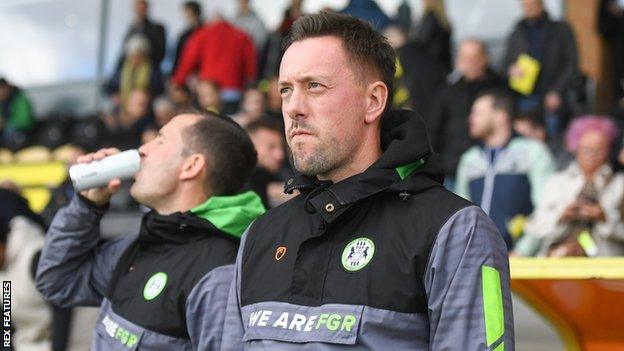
(98, 173)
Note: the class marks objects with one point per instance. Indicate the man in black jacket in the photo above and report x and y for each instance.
(153, 31)
(418, 77)
(165, 288)
(192, 13)
(552, 43)
(374, 254)
(448, 124)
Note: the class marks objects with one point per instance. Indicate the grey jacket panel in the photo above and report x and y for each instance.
(74, 268)
(233, 329)
(114, 333)
(280, 326)
(205, 308)
(468, 241)
(455, 320)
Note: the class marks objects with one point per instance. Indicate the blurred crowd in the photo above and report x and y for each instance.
(538, 160)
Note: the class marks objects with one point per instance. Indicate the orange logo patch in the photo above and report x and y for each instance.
(280, 252)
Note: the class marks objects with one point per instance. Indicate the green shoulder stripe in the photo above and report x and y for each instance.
(492, 305)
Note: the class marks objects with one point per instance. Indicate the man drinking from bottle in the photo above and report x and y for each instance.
(166, 287)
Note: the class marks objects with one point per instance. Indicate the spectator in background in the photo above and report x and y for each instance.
(274, 100)
(553, 45)
(433, 32)
(181, 96)
(530, 125)
(611, 27)
(154, 32)
(125, 128)
(247, 20)
(403, 16)
(208, 97)
(192, 13)
(505, 174)
(367, 10)
(223, 54)
(150, 133)
(265, 180)
(584, 200)
(252, 108)
(164, 111)
(21, 240)
(137, 72)
(292, 13)
(448, 123)
(418, 77)
(272, 51)
(16, 112)
(137, 113)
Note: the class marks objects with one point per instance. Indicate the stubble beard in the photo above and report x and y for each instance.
(323, 159)
(314, 164)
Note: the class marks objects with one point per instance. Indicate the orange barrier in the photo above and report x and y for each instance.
(583, 298)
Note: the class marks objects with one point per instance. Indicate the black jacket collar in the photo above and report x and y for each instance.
(177, 228)
(539, 22)
(404, 141)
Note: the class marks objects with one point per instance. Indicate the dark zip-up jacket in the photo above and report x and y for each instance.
(165, 289)
(554, 44)
(384, 260)
(448, 123)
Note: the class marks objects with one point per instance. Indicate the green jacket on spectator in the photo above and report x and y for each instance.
(16, 113)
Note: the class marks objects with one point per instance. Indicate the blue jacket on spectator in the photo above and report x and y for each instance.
(505, 181)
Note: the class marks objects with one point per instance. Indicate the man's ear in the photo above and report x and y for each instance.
(193, 166)
(377, 98)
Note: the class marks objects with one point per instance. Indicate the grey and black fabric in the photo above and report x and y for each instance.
(384, 260)
(163, 289)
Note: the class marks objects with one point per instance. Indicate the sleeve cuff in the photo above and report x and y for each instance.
(90, 204)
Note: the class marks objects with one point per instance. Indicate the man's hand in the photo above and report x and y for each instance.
(100, 196)
(591, 211)
(552, 101)
(570, 213)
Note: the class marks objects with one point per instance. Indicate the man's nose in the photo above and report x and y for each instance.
(295, 106)
(143, 150)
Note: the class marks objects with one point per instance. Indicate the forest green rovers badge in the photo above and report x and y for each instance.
(357, 254)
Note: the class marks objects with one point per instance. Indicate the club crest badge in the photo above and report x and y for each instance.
(154, 286)
(357, 254)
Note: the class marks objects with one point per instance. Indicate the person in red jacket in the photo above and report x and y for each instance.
(223, 54)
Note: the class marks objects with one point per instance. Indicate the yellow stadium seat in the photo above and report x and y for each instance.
(35, 180)
(38, 198)
(50, 174)
(66, 153)
(33, 154)
(6, 156)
